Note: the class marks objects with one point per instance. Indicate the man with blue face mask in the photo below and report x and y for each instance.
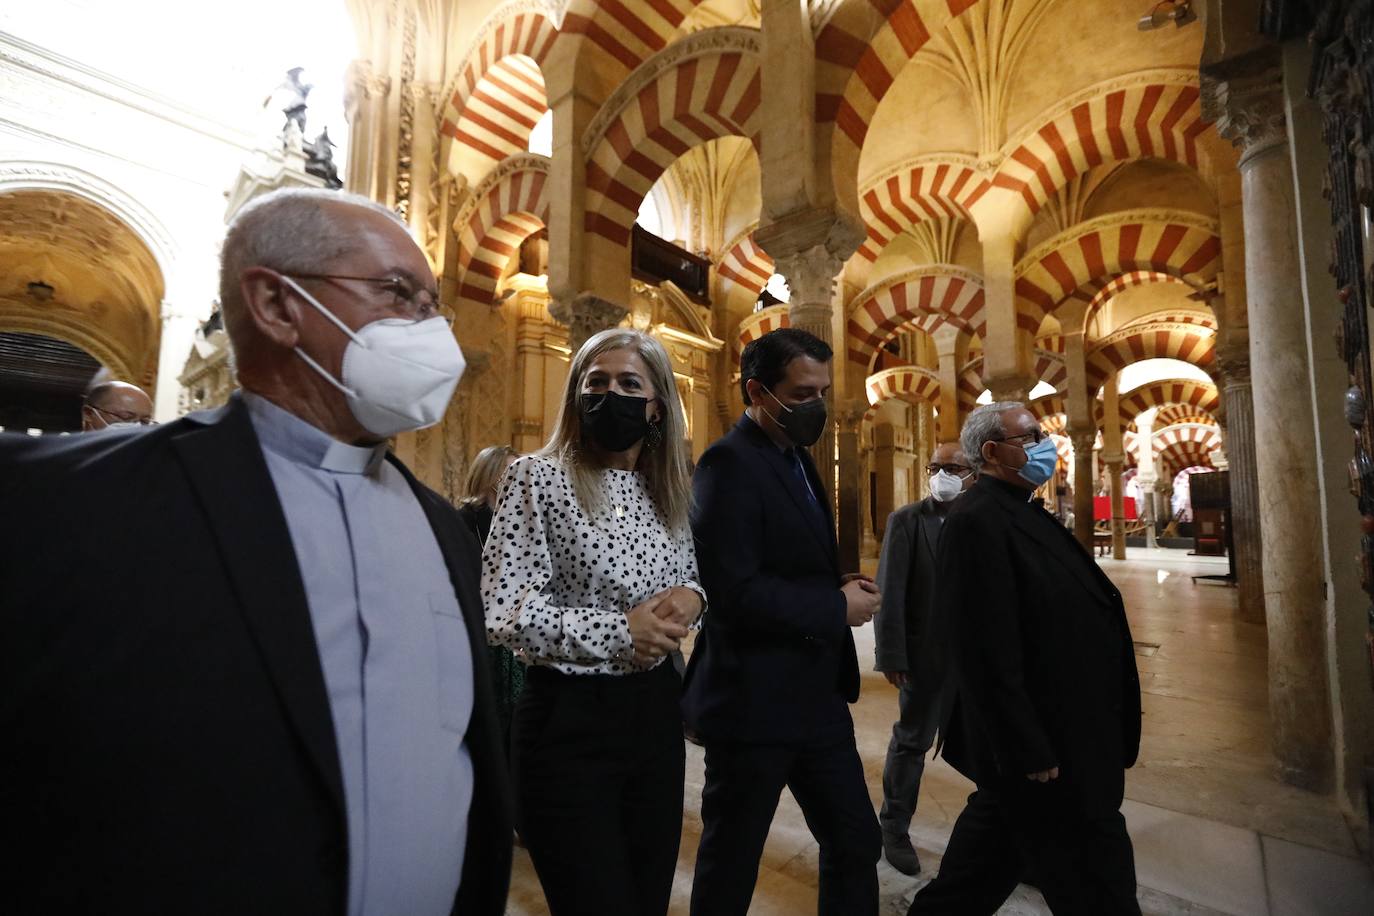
(1045, 714)
(282, 714)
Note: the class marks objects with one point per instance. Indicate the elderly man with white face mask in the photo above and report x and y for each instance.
(906, 576)
(281, 713)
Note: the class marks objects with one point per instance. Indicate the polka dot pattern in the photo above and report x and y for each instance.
(557, 582)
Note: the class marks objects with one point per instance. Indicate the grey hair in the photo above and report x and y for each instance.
(984, 424)
(289, 230)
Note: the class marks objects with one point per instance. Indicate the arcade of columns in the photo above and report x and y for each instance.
(963, 195)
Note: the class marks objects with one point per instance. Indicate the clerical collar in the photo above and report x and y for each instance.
(296, 440)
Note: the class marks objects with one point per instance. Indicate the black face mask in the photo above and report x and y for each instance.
(803, 423)
(615, 422)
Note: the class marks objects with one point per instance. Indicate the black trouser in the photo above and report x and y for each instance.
(598, 766)
(913, 735)
(1083, 865)
(743, 784)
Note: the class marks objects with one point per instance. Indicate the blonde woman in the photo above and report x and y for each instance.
(590, 573)
(476, 508)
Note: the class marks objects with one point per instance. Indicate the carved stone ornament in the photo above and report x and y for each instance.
(725, 39)
(585, 315)
(810, 276)
(1248, 110)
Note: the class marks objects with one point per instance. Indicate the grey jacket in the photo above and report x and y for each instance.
(906, 576)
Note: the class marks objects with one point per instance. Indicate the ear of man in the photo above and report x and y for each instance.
(269, 306)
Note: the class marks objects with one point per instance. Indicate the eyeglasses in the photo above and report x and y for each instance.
(1031, 438)
(415, 303)
(121, 417)
(962, 471)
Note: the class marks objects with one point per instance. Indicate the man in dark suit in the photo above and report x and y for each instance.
(906, 577)
(237, 673)
(774, 669)
(1047, 711)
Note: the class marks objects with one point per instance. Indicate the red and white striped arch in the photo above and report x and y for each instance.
(1189, 395)
(759, 324)
(1122, 282)
(859, 53)
(1047, 407)
(1179, 447)
(624, 35)
(1154, 115)
(915, 384)
(700, 98)
(498, 96)
(1184, 413)
(507, 208)
(1049, 368)
(1089, 258)
(927, 296)
(1150, 340)
(930, 187)
(746, 264)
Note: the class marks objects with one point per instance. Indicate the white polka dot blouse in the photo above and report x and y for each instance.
(557, 583)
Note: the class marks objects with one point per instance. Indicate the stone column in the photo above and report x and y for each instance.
(1084, 486)
(1007, 347)
(1114, 456)
(1233, 364)
(1145, 460)
(885, 470)
(810, 278)
(951, 348)
(177, 336)
(1250, 112)
(849, 487)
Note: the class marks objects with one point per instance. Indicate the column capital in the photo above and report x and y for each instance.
(586, 314)
(1083, 441)
(822, 229)
(1245, 99)
(810, 277)
(1233, 365)
(850, 414)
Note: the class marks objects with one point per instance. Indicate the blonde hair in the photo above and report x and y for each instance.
(665, 467)
(485, 473)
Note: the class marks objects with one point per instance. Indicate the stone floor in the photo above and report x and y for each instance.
(1213, 831)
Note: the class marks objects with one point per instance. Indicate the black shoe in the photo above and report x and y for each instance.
(900, 854)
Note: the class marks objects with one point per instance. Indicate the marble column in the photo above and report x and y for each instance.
(1007, 346)
(951, 349)
(1145, 461)
(850, 488)
(1250, 109)
(1237, 400)
(810, 278)
(1114, 456)
(885, 445)
(1084, 486)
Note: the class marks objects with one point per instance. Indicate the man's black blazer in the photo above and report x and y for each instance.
(166, 741)
(774, 662)
(1044, 661)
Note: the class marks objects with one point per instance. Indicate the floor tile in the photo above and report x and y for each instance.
(1311, 882)
(1215, 865)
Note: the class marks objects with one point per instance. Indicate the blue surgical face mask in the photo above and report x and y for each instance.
(1041, 460)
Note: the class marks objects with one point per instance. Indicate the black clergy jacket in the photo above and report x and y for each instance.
(166, 740)
(774, 662)
(1042, 653)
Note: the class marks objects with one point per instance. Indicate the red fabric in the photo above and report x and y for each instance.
(1102, 508)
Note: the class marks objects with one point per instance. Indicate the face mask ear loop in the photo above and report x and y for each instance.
(325, 312)
(325, 375)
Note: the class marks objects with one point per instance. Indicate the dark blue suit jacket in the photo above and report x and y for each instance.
(775, 662)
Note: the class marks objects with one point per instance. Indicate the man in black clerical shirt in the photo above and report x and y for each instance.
(1046, 715)
(773, 671)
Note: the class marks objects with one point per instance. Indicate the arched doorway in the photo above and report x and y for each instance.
(79, 292)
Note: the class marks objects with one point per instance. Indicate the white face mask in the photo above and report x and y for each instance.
(944, 486)
(398, 375)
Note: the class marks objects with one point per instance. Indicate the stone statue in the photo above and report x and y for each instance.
(290, 98)
(319, 160)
